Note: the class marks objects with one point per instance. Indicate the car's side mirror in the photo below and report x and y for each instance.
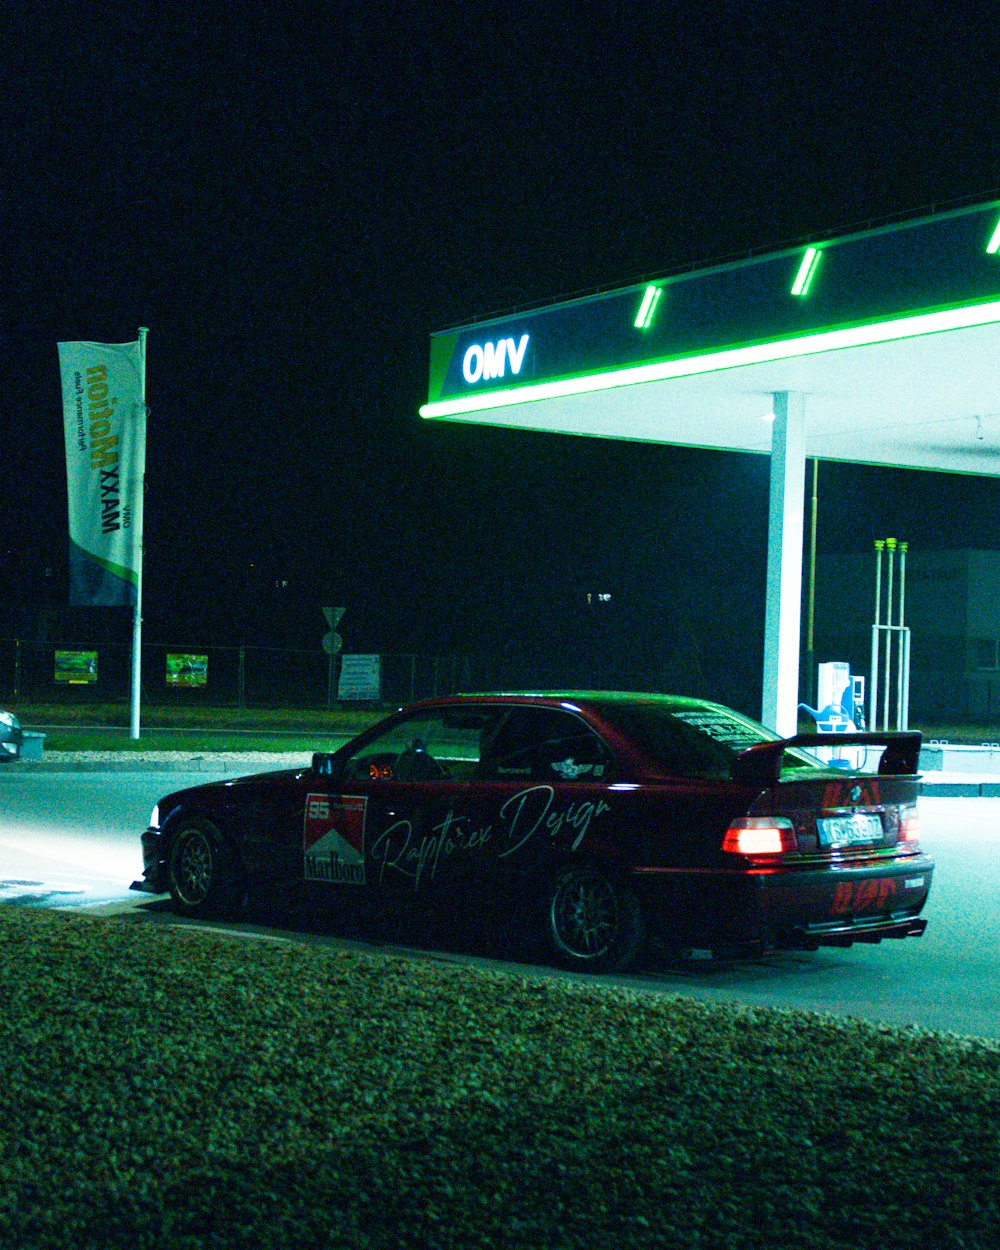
(326, 765)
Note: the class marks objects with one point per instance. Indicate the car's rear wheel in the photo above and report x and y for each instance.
(203, 873)
(594, 922)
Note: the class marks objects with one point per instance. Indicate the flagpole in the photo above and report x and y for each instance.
(137, 518)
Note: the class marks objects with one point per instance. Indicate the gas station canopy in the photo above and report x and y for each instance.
(878, 347)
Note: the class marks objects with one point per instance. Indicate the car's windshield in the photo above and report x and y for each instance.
(699, 741)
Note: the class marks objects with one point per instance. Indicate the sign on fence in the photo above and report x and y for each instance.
(360, 677)
(76, 668)
(187, 670)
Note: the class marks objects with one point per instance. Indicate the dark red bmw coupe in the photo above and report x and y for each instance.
(590, 821)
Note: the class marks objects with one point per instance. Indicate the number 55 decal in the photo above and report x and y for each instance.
(333, 839)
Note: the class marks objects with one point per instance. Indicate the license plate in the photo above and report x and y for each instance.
(852, 830)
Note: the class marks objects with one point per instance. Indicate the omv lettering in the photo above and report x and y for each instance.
(489, 360)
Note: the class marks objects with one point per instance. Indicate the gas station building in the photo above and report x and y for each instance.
(878, 347)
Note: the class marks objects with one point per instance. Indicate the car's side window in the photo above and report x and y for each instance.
(483, 743)
(427, 747)
(543, 744)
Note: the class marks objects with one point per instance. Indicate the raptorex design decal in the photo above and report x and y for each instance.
(528, 813)
(333, 838)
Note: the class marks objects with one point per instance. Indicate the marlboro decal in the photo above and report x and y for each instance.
(333, 838)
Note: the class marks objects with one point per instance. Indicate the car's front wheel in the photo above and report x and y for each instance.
(594, 922)
(203, 874)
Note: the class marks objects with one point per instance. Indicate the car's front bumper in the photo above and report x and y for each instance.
(154, 867)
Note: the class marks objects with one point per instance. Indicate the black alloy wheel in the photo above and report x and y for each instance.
(595, 922)
(203, 877)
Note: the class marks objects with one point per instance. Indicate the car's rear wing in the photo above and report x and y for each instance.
(761, 764)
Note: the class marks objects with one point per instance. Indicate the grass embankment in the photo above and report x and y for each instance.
(170, 1088)
(105, 727)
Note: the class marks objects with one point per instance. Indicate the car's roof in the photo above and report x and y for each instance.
(559, 698)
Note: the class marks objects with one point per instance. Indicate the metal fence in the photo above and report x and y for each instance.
(252, 676)
(244, 676)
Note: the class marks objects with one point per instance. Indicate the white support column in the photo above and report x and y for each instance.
(782, 620)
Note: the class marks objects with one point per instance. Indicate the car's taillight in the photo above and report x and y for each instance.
(760, 835)
(909, 826)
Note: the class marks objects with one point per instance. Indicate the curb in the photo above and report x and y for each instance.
(224, 762)
(961, 789)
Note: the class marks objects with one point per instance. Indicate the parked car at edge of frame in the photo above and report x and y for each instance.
(11, 736)
(591, 821)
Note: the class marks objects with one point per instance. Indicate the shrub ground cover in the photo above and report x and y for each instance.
(176, 1088)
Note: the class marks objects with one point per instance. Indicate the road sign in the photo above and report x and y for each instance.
(332, 642)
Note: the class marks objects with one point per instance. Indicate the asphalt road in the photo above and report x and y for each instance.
(72, 840)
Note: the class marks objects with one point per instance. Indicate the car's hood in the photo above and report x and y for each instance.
(234, 786)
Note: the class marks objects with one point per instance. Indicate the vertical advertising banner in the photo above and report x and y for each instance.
(104, 425)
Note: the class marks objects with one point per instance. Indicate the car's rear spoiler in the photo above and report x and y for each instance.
(761, 764)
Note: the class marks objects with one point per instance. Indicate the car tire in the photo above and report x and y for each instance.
(203, 874)
(593, 920)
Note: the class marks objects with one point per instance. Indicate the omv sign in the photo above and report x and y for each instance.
(483, 362)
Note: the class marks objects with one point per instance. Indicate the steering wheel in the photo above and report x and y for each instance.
(414, 764)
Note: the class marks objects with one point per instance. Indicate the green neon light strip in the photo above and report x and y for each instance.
(647, 299)
(644, 318)
(729, 358)
(994, 244)
(807, 271)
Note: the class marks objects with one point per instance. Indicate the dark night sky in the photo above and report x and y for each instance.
(291, 197)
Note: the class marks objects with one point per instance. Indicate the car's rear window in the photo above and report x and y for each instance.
(694, 742)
